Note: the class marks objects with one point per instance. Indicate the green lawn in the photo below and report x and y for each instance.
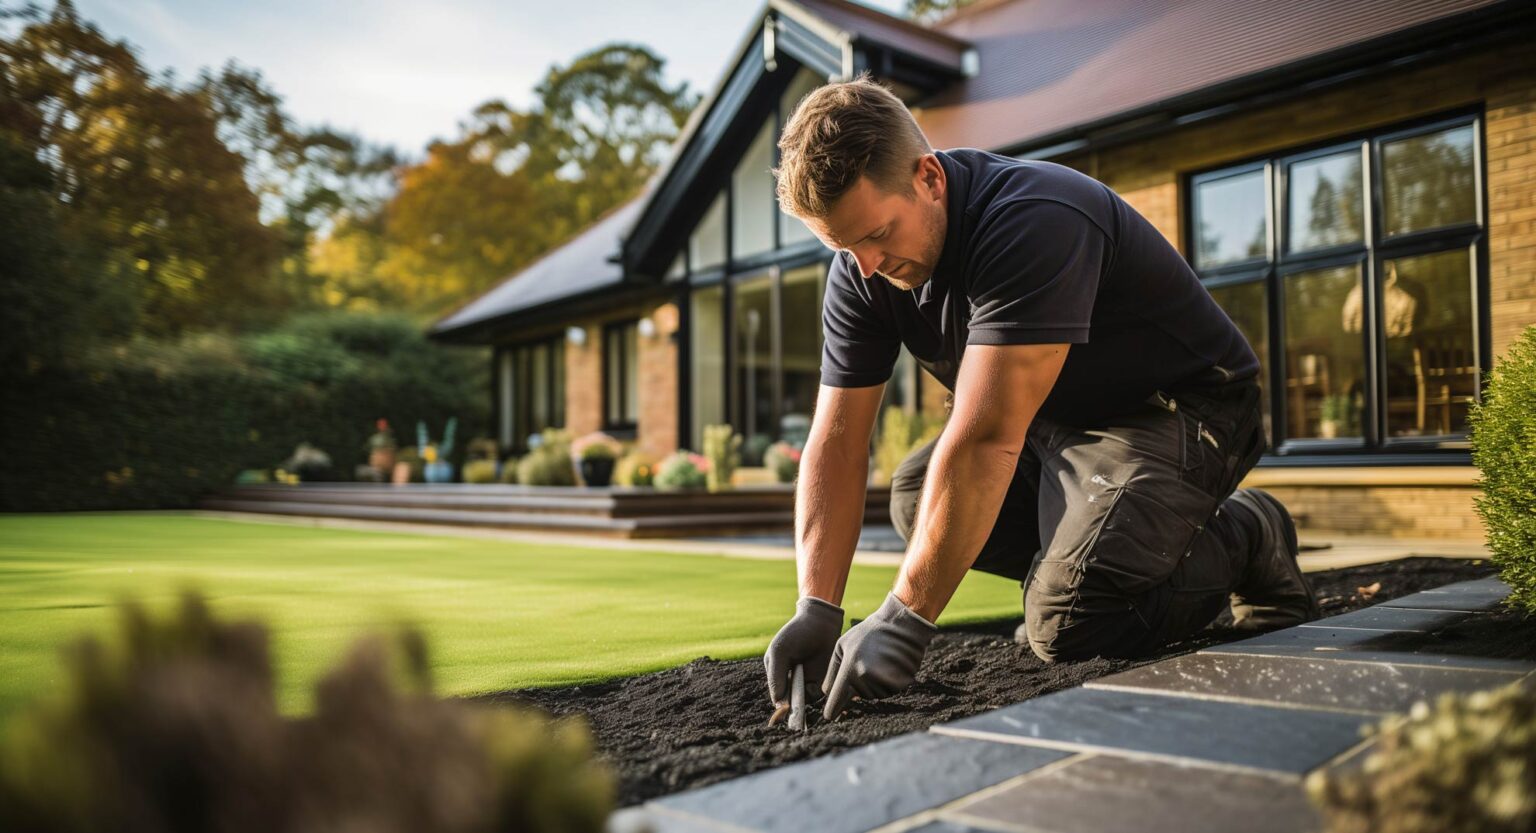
(497, 614)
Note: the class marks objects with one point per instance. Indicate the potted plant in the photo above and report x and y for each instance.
(722, 446)
(437, 468)
(381, 449)
(595, 455)
(309, 464)
(683, 470)
(783, 460)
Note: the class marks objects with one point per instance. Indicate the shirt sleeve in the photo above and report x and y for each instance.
(860, 344)
(1034, 274)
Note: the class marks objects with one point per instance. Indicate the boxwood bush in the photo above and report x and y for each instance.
(149, 424)
(1465, 765)
(1504, 449)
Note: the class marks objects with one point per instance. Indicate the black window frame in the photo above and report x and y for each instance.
(1375, 446)
(622, 428)
(522, 421)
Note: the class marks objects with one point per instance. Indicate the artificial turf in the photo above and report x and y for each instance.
(497, 614)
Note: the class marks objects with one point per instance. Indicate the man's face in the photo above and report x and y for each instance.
(897, 237)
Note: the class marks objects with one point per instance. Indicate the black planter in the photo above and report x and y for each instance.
(597, 471)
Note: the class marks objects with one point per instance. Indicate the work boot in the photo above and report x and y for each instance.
(1273, 592)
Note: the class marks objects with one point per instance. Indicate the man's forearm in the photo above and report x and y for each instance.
(961, 495)
(829, 514)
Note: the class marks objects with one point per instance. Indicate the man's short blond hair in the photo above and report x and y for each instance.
(840, 132)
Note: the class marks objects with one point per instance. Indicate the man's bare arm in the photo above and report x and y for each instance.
(830, 493)
(997, 395)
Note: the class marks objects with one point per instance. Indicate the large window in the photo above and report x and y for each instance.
(621, 375)
(765, 383)
(1353, 271)
(532, 386)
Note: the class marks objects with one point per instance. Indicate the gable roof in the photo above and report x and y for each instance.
(1053, 70)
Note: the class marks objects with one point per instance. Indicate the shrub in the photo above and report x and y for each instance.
(784, 460)
(547, 466)
(1504, 449)
(1467, 764)
(176, 728)
(480, 471)
(509, 470)
(722, 447)
(900, 433)
(683, 470)
(635, 469)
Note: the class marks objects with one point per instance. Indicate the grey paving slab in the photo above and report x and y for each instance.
(1296, 681)
(650, 820)
(1378, 618)
(862, 789)
(1482, 594)
(1404, 648)
(1105, 794)
(947, 826)
(1236, 734)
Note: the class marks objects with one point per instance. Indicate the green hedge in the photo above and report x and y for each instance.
(1504, 449)
(156, 425)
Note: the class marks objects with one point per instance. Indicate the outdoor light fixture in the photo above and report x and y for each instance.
(647, 328)
(576, 335)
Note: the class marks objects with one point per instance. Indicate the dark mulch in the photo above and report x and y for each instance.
(708, 720)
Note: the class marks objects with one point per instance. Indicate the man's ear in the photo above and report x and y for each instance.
(930, 174)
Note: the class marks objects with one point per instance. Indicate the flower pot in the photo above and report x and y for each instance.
(402, 473)
(382, 460)
(597, 471)
(440, 471)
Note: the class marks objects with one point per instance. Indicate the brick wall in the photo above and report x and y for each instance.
(659, 399)
(584, 381)
(1148, 176)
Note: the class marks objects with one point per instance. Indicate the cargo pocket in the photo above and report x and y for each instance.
(1144, 538)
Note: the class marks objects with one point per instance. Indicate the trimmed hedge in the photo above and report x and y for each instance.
(1504, 449)
(156, 425)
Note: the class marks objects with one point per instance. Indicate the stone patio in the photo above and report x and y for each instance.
(1218, 740)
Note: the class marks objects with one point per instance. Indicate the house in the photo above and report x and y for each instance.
(1354, 182)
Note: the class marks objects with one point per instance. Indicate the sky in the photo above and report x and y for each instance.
(403, 73)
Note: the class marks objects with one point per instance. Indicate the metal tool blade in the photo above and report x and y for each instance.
(797, 701)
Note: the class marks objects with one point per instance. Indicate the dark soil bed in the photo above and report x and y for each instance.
(708, 720)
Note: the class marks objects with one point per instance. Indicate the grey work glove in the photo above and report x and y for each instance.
(877, 657)
(807, 640)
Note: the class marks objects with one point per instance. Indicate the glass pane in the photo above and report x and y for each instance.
(678, 269)
(801, 348)
(1432, 368)
(752, 200)
(707, 347)
(791, 230)
(1232, 219)
(706, 248)
(557, 408)
(632, 373)
(1427, 181)
(506, 431)
(1247, 306)
(539, 395)
(1324, 364)
(1325, 202)
(752, 363)
(613, 376)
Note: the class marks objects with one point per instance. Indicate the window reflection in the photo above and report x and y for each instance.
(1248, 308)
(1324, 361)
(752, 360)
(1325, 202)
(801, 347)
(707, 348)
(1427, 181)
(1232, 219)
(1431, 354)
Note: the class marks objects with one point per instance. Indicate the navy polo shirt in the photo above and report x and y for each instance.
(1038, 253)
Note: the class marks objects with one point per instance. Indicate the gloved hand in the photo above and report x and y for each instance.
(807, 640)
(877, 657)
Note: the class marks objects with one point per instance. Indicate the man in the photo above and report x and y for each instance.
(1104, 411)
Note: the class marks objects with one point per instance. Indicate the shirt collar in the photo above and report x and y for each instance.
(957, 185)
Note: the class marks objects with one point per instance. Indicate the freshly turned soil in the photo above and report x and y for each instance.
(708, 720)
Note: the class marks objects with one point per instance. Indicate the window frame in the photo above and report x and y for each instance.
(1370, 253)
(623, 428)
(520, 421)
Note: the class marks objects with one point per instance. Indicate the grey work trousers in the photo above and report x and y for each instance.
(1120, 533)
